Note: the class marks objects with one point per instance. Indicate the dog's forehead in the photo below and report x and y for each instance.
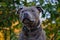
(29, 8)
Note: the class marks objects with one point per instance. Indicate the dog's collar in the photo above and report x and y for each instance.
(32, 30)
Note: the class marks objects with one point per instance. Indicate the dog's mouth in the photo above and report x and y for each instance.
(28, 22)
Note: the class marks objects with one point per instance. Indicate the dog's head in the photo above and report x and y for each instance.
(29, 15)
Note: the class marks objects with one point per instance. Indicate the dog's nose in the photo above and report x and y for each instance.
(25, 15)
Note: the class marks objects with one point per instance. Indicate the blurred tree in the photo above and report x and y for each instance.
(8, 16)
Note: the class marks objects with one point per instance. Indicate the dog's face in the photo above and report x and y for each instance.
(29, 15)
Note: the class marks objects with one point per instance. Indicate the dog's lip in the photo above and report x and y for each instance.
(27, 21)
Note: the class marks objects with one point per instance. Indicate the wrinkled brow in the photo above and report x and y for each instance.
(26, 10)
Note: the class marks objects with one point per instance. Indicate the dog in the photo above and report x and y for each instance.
(32, 29)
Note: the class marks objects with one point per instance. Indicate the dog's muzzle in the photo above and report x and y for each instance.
(27, 21)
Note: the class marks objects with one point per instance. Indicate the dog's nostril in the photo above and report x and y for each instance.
(25, 15)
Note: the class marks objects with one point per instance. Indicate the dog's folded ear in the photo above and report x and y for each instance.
(39, 9)
(18, 12)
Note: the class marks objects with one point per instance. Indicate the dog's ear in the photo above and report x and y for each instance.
(18, 12)
(39, 9)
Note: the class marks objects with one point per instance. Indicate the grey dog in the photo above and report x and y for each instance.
(32, 29)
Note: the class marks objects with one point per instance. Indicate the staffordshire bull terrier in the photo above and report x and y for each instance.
(32, 29)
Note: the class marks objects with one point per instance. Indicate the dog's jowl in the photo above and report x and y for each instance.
(32, 29)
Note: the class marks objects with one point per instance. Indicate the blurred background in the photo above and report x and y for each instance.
(10, 25)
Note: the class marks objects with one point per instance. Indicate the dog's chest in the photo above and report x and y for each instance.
(33, 35)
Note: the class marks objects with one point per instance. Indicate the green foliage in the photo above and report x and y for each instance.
(7, 16)
(13, 35)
